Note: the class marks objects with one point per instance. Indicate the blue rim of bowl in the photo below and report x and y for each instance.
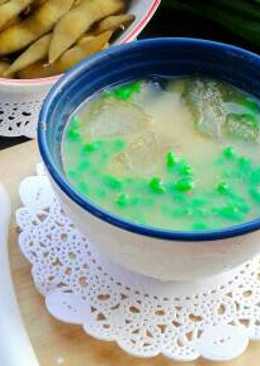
(63, 184)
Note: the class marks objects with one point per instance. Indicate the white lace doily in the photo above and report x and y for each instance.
(19, 114)
(214, 318)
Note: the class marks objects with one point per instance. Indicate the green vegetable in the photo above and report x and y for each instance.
(241, 17)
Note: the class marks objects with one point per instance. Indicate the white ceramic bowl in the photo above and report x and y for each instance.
(20, 100)
(163, 254)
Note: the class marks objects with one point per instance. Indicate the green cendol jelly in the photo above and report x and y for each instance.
(175, 160)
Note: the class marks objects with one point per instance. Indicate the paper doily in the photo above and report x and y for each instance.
(19, 116)
(214, 318)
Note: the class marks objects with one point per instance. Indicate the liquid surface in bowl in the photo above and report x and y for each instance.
(179, 154)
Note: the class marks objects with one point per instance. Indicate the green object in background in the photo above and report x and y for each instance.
(241, 17)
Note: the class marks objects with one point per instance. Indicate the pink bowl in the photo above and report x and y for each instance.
(143, 11)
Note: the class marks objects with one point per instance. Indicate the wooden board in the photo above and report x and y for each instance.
(56, 343)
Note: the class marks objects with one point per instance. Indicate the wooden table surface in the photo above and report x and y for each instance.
(56, 343)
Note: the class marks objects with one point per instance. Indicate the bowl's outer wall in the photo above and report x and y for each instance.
(164, 259)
